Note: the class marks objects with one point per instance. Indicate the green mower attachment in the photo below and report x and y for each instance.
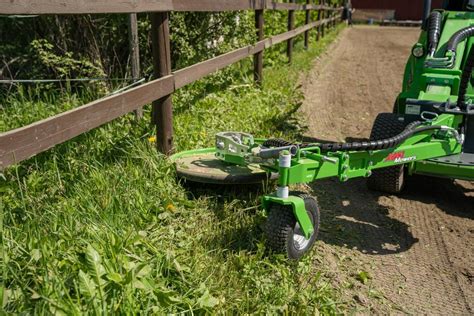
(430, 132)
(296, 217)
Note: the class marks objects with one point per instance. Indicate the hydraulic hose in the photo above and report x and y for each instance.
(391, 142)
(458, 37)
(449, 60)
(465, 79)
(434, 32)
(426, 9)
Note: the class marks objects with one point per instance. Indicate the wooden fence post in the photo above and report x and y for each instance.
(339, 19)
(162, 112)
(258, 57)
(291, 25)
(134, 53)
(307, 20)
(332, 16)
(318, 32)
(323, 29)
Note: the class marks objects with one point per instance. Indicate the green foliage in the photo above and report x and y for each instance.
(101, 41)
(41, 101)
(47, 61)
(84, 42)
(64, 66)
(100, 224)
(197, 36)
(363, 276)
(79, 46)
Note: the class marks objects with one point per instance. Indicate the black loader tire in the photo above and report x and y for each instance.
(395, 107)
(282, 225)
(390, 179)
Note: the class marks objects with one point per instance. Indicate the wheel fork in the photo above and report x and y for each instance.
(298, 207)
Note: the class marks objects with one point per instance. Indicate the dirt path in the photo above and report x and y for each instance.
(417, 249)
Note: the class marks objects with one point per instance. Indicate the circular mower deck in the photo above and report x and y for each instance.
(203, 167)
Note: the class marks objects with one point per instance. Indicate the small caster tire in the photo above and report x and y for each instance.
(283, 231)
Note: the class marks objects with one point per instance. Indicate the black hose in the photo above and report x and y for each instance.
(458, 37)
(426, 9)
(434, 32)
(358, 146)
(465, 79)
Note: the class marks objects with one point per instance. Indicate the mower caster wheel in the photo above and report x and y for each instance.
(283, 232)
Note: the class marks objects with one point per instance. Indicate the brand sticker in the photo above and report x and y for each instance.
(399, 157)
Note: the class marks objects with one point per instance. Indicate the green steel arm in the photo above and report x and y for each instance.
(310, 164)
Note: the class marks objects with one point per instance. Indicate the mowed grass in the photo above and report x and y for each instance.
(101, 225)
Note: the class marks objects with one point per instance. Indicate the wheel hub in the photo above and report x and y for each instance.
(299, 240)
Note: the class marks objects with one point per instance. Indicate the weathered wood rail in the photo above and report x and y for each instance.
(137, 6)
(24, 142)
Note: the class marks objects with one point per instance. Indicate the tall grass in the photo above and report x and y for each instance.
(100, 224)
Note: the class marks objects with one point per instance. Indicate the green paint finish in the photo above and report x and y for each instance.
(309, 164)
(232, 159)
(445, 170)
(307, 170)
(439, 85)
(189, 153)
(347, 165)
(299, 210)
(357, 164)
(419, 80)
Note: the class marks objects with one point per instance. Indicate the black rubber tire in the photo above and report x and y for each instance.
(281, 225)
(390, 179)
(395, 107)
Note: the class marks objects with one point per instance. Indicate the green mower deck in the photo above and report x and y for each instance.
(202, 166)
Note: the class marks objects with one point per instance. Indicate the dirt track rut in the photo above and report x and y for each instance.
(417, 247)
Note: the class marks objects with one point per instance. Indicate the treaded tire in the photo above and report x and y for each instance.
(390, 179)
(281, 226)
(395, 107)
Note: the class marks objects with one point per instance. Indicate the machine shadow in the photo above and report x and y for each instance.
(352, 217)
(452, 197)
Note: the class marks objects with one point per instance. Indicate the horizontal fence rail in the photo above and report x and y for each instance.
(24, 142)
(136, 6)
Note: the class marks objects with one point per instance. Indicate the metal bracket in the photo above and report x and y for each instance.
(344, 167)
(441, 62)
(451, 108)
(444, 107)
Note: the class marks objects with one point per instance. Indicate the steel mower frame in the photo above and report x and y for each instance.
(431, 132)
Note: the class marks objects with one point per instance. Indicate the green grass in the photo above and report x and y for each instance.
(99, 224)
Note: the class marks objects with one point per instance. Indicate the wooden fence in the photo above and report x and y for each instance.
(24, 142)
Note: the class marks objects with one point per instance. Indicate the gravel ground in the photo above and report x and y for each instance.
(412, 253)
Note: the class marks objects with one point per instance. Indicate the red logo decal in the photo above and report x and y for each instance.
(395, 156)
